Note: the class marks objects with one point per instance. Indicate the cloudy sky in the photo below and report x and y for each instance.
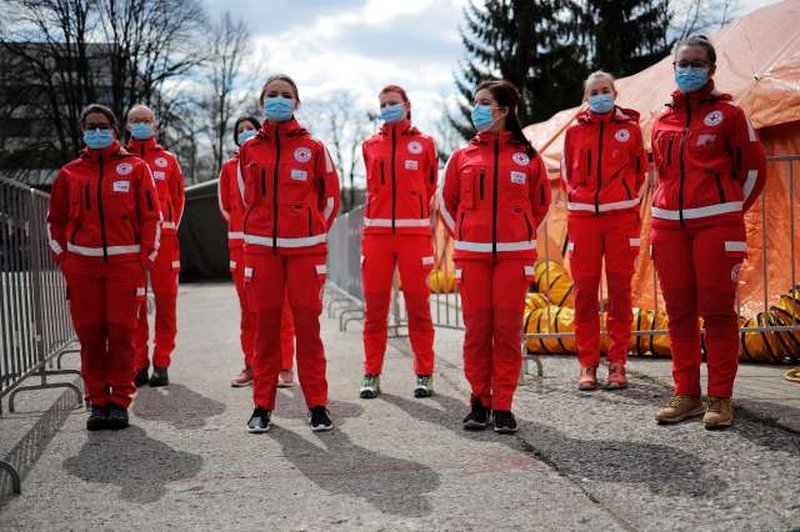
(361, 45)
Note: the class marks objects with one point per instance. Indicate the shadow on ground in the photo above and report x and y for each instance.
(130, 459)
(176, 404)
(662, 469)
(333, 462)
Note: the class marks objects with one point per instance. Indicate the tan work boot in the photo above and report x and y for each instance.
(588, 379)
(719, 413)
(680, 407)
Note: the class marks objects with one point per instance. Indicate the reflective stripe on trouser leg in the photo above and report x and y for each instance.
(164, 281)
(414, 261)
(674, 262)
(586, 256)
(475, 287)
(508, 296)
(247, 319)
(305, 281)
(377, 272)
(265, 288)
(124, 295)
(717, 265)
(621, 245)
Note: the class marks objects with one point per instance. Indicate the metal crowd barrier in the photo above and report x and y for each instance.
(35, 326)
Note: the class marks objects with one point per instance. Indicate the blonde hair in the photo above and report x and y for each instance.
(598, 74)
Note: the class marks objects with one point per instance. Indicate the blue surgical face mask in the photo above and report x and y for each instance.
(278, 109)
(244, 135)
(690, 79)
(97, 139)
(601, 103)
(482, 117)
(391, 114)
(141, 130)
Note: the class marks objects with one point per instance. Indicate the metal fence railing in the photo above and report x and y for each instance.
(35, 327)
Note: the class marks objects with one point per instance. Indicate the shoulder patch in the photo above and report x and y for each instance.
(714, 118)
(521, 158)
(415, 147)
(161, 162)
(302, 154)
(124, 168)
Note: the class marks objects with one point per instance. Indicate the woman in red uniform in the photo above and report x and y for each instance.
(492, 199)
(603, 168)
(231, 206)
(711, 168)
(401, 164)
(291, 196)
(104, 223)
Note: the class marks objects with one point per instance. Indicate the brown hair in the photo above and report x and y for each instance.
(507, 95)
(401, 91)
(701, 41)
(103, 110)
(247, 118)
(279, 77)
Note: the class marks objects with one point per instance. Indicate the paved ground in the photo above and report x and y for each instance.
(594, 461)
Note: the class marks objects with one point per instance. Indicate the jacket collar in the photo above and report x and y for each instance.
(488, 137)
(106, 153)
(137, 146)
(401, 127)
(706, 94)
(618, 114)
(289, 128)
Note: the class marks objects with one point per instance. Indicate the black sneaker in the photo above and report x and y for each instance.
(260, 421)
(478, 417)
(319, 419)
(117, 417)
(141, 377)
(159, 377)
(98, 418)
(504, 422)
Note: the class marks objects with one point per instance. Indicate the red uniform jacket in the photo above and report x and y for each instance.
(493, 197)
(710, 163)
(291, 190)
(603, 164)
(104, 204)
(168, 178)
(402, 168)
(230, 194)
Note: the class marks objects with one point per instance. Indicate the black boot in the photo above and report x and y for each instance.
(159, 377)
(141, 377)
(98, 418)
(117, 417)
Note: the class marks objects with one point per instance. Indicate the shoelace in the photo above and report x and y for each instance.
(675, 402)
(714, 405)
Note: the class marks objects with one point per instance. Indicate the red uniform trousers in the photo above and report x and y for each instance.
(247, 329)
(270, 280)
(413, 255)
(164, 282)
(615, 238)
(698, 269)
(493, 300)
(104, 300)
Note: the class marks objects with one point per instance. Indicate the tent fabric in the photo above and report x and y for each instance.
(758, 62)
(203, 236)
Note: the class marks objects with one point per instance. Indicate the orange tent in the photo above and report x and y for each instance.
(759, 64)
